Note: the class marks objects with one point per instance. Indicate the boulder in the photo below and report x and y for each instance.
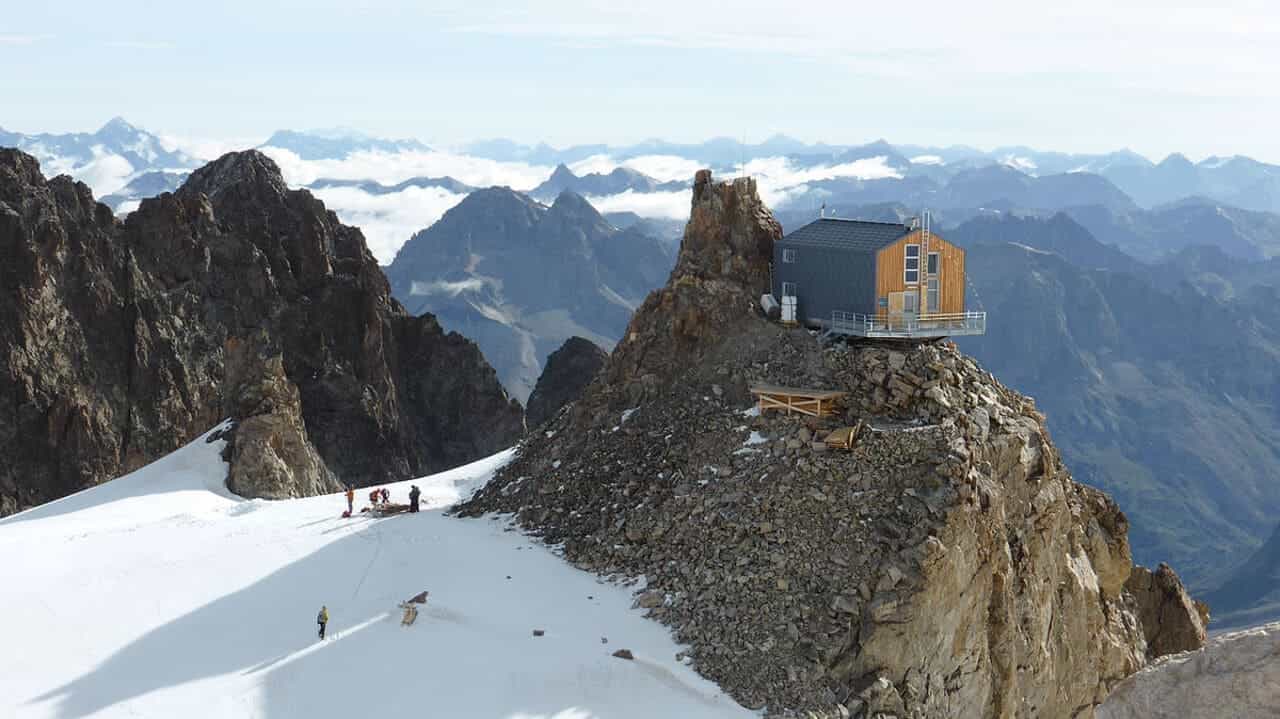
(1170, 619)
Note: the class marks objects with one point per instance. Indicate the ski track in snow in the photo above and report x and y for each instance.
(161, 594)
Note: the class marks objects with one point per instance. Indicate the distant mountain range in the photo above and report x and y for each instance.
(326, 145)
(376, 188)
(519, 277)
(616, 182)
(142, 150)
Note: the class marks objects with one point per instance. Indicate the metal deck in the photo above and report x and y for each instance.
(906, 325)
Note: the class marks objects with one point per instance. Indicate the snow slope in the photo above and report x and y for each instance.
(162, 595)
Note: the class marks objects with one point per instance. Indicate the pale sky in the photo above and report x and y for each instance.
(1083, 76)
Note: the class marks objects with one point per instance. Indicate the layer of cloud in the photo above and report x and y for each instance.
(779, 172)
(141, 44)
(105, 173)
(444, 287)
(664, 168)
(391, 168)
(671, 205)
(15, 38)
(388, 221)
(206, 148)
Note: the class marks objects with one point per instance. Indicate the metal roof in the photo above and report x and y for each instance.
(856, 235)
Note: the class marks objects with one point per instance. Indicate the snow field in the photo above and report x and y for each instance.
(160, 594)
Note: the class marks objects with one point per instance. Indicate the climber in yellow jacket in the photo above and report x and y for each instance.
(322, 619)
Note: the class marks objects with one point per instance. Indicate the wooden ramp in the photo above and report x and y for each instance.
(813, 402)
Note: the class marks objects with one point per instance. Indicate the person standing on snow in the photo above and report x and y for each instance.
(322, 619)
(386, 496)
(351, 499)
(414, 493)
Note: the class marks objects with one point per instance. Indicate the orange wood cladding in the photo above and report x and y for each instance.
(891, 263)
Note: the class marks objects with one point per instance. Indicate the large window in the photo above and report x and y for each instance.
(932, 292)
(912, 273)
(788, 255)
(933, 263)
(788, 289)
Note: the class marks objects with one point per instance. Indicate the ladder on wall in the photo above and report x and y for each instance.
(922, 289)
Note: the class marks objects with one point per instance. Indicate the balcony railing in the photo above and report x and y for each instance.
(907, 325)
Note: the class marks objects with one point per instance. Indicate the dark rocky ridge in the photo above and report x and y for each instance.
(947, 567)
(234, 297)
(568, 371)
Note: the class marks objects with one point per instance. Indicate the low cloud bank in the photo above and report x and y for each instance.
(105, 173)
(391, 168)
(388, 221)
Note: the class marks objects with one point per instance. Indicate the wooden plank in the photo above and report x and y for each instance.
(796, 391)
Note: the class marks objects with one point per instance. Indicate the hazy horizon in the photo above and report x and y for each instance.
(210, 147)
(1089, 78)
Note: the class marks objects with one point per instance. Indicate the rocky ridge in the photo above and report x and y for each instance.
(566, 374)
(234, 297)
(947, 566)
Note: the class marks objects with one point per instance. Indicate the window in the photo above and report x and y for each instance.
(788, 289)
(912, 273)
(933, 263)
(932, 292)
(788, 255)
(910, 302)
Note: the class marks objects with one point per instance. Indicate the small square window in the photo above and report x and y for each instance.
(912, 276)
(788, 289)
(913, 250)
(788, 255)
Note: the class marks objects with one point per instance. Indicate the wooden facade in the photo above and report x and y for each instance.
(891, 276)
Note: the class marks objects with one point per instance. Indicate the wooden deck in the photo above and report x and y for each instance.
(813, 402)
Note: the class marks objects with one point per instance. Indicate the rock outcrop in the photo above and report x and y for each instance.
(568, 371)
(1234, 675)
(947, 566)
(1172, 621)
(234, 297)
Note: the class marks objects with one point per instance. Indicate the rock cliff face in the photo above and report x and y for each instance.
(947, 566)
(234, 297)
(568, 371)
(1234, 675)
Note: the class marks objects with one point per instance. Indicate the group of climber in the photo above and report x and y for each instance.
(380, 496)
